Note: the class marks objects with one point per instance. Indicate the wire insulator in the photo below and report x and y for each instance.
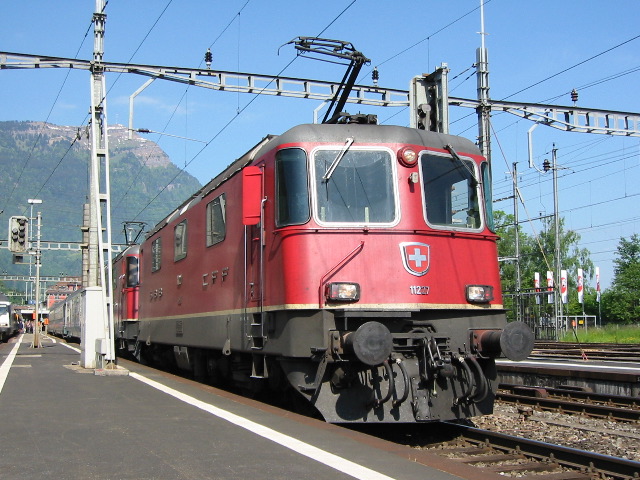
(208, 58)
(375, 76)
(574, 95)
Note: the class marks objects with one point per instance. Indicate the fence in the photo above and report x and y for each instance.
(537, 309)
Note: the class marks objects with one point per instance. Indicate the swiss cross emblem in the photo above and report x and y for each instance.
(415, 257)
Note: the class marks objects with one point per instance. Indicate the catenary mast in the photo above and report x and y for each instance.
(98, 335)
(484, 106)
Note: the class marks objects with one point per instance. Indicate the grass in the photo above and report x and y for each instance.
(608, 334)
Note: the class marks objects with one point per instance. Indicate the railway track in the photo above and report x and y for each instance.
(573, 401)
(591, 351)
(508, 455)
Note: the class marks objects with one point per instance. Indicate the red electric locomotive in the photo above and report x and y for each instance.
(352, 265)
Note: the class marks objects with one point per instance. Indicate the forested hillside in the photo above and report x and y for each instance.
(50, 163)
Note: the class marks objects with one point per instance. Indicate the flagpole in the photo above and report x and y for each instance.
(598, 295)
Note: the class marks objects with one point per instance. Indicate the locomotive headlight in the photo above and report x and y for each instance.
(479, 293)
(343, 292)
(407, 156)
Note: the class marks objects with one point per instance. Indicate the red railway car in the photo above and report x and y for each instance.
(353, 266)
(126, 287)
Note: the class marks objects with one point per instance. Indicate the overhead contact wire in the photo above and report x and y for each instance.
(233, 119)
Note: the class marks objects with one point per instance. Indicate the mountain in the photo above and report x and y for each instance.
(51, 163)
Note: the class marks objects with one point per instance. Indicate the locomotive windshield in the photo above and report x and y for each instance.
(451, 191)
(292, 192)
(354, 186)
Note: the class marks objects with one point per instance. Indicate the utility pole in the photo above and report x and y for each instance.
(517, 243)
(556, 216)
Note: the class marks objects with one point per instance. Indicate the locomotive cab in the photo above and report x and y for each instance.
(394, 241)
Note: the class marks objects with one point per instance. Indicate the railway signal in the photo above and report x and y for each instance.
(18, 234)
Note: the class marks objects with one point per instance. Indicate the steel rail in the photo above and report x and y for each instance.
(618, 468)
(573, 393)
(573, 407)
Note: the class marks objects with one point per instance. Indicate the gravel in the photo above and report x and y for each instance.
(617, 439)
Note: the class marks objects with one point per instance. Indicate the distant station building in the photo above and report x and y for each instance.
(61, 290)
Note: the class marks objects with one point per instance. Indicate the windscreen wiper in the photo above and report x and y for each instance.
(455, 155)
(336, 161)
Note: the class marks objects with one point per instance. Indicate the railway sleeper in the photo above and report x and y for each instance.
(529, 466)
(567, 475)
(494, 458)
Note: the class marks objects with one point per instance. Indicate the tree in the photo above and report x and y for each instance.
(621, 302)
(537, 255)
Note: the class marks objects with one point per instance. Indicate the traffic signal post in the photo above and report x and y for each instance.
(18, 237)
(19, 245)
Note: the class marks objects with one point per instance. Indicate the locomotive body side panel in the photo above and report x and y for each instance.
(189, 300)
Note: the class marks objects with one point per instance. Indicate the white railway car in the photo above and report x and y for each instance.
(65, 316)
(9, 319)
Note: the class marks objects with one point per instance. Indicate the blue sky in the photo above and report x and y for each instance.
(529, 43)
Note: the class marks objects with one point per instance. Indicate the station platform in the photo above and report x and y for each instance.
(65, 422)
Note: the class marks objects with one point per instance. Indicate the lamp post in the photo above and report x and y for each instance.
(31, 202)
(36, 327)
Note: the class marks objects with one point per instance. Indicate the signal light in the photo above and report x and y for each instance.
(407, 156)
(18, 234)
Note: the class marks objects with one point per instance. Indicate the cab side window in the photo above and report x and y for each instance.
(180, 241)
(133, 273)
(216, 220)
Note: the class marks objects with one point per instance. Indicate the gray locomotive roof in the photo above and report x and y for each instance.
(327, 133)
(218, 180)
(371, 133)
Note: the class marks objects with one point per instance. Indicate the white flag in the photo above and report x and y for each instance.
(580, 286)
(550, 296)
(563, 286)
